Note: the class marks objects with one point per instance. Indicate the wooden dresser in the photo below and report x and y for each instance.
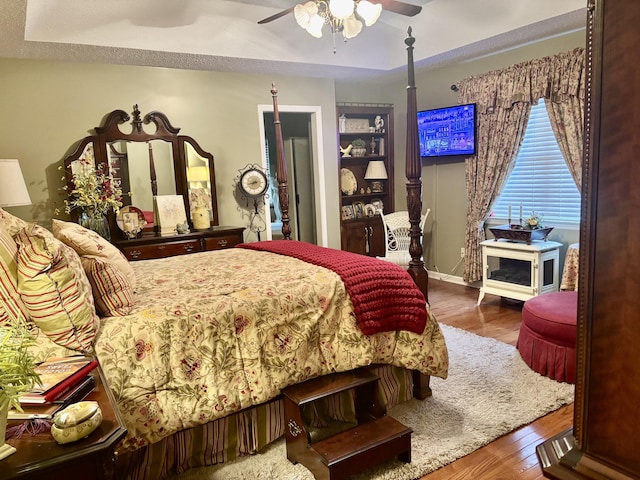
(156, 246)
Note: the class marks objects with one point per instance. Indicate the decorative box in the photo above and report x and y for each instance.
(518, 233)
(76, 421)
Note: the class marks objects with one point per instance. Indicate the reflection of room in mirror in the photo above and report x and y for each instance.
(138, 155)
(85, 163)
(118, 168)
(199, 182)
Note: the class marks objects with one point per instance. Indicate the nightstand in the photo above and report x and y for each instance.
(39, 456)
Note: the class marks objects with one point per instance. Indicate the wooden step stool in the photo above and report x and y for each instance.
(377, 438)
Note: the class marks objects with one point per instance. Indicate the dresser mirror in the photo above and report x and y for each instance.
(147, 162)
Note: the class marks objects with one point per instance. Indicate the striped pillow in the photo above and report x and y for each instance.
(12, 306)
(51, 286)
(112, 292)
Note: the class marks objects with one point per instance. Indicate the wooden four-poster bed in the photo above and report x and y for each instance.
(198, 362)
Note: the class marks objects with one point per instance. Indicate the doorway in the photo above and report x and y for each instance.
(302, 148)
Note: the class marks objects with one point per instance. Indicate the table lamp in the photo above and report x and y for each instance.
(376, 171)
(13, 190)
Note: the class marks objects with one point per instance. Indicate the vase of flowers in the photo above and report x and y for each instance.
(95, 221)
(94, 194)
(534, 221)
(17, 373)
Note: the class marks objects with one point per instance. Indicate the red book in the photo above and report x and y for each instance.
(63, 385)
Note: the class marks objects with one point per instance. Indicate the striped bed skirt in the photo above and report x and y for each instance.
(248, 431)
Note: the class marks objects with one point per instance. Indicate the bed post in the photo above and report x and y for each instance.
(414, 183)
(421, 388)
(281, 169)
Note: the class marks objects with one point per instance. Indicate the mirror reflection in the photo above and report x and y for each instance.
(143, 169)
(199, 188)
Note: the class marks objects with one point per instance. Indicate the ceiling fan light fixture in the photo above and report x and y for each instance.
(370, 12)
(341, 9)
(304, 12)
(351, 27)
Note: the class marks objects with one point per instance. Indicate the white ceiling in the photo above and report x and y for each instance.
(224, 35)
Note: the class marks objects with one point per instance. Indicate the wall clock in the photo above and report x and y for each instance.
(253, 182)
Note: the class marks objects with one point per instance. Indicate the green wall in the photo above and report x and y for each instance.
(444, 183)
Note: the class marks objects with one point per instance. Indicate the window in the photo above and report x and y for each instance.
(540, 179)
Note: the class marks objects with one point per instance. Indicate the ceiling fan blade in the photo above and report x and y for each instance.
(276, 16)
(399, 7)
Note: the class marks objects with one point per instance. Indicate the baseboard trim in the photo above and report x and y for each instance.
(447, 277)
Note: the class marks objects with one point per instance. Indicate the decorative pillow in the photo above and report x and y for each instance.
(10, 223)
(55, 290)
(112, 292)
(12, 306)
(89, 244)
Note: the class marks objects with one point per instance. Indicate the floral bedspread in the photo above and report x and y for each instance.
(215, 332)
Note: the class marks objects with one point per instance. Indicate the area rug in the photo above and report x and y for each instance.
(490, 392)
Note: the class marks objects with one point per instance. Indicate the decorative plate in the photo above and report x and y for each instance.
(348, 182)
(131, 220)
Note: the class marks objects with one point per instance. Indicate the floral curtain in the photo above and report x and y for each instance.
(565, 106)
(503, 100)
(500, 134)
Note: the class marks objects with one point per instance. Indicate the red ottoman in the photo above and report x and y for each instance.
(547, 339)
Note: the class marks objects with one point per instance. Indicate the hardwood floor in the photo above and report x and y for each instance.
(512, 456)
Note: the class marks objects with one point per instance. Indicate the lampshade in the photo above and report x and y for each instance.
(304, 12)
(369, 11)
(341, 9)
(198, 174)
(351, 27)
(13, 190)
(376, 171)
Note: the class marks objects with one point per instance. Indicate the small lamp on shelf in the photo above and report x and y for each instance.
(376, 172)
(13, 190)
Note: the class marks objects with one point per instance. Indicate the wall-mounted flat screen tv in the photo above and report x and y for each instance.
(447, 131)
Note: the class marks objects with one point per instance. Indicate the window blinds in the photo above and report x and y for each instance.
(540, 180)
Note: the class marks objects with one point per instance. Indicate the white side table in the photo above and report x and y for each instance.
(518, 270)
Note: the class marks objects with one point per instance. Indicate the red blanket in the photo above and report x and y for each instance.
(383, 294)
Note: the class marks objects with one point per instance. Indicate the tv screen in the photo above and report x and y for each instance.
(447, 131)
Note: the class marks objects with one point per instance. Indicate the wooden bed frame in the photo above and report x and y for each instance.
(417, 270)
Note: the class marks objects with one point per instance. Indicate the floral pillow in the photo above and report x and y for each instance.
(55, 289)
(11, 224)
(89, 244)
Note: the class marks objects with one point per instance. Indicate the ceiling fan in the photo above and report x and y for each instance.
(394, 6)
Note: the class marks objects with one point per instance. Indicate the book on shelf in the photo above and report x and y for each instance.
(47, 410)
(58, 376)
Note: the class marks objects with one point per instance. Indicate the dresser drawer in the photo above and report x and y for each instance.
(160, 250)
(225, 241)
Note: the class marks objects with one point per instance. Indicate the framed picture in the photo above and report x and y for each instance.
(356, 125)
(358, 209)
(170, 212)
(347, 212)
(369, 210)
(377, 204)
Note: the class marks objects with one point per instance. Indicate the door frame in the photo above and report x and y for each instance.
(317, 152)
